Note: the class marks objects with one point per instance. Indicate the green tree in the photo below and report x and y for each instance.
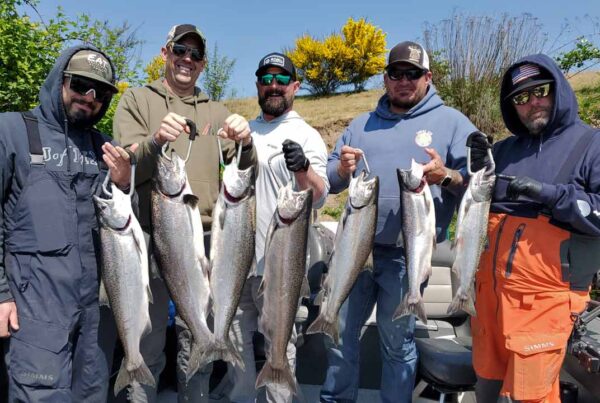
(583, 52)
(338, 60)
(216, 75)
(155, 69)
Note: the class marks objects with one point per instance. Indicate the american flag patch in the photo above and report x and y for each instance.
(523, 72)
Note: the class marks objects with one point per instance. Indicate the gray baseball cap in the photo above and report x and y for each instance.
(92, 65)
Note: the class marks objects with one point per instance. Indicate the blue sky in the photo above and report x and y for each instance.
(248, 29)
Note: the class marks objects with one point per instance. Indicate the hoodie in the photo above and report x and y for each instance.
(575, 205)
(388, 141)
(138, 117)
(65, 148)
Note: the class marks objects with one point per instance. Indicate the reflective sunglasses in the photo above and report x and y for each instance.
(84, 86)
(541, 91)
(180, 50)
(410, 75)
(281, 79)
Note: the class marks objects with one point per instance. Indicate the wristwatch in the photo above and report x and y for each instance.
(447, 179)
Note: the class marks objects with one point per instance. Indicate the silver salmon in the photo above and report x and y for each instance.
(352, 246)
(231, 254)
(124, 268)
(418, 231)
(471, 234)
(178, 240)
(284, 277)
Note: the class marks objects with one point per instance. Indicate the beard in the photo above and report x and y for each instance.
(538, 124)
(402, 104)
(274, 105)
(81, 118)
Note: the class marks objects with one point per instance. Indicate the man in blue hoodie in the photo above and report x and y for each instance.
(50, 166)
(410, 121)
(544, 236)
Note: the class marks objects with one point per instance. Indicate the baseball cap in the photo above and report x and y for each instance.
(527, 76)
(409, 52)
(179, 31)
(276, 59)
(92, 65)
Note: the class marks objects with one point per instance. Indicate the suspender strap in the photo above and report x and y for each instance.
(33, 136)
(97, 142)
(574, 157)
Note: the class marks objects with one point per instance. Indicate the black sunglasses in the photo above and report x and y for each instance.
(83, 86)
(541, 91)
(411, 75)
(281, 79)
(180, 50)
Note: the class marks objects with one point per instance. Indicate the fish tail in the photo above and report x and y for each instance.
(222, 350)
(140, 374)
(465, 304)
(269, 376)
(407, 307)
(322, 325)
(197, 358)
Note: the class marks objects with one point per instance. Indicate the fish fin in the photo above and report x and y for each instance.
(319, 298)
(103, 296)
(191, 200)
(221, 217)
(197, 359)
(322, 325)
(272, 376)
(140, 375)
(408, 308)
(433, 240)
(467, 305)
(272, 226)
(305, 289)
(223, 350)
(369, 262)
(261, 288)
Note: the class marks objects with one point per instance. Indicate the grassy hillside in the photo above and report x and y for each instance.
(330, 115)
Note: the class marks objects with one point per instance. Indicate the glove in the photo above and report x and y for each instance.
(295, 160)
(479, 143)
(524, 186)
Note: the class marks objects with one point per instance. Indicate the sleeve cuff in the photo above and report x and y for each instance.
(548, 194)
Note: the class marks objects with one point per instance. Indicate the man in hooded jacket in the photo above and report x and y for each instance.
(543, 236)
(153, 116)
(410, 121)
(50, 167)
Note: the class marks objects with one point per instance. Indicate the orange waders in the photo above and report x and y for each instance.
(525, 307)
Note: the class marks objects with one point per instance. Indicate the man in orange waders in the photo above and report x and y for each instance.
(543, 237)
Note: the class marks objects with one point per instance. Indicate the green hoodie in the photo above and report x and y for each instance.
(138, 117)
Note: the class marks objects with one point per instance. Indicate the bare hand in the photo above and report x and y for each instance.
(118, 162)
(435, 170)
(236, 128)
(8, 318)
(349, 158)
(170, 128)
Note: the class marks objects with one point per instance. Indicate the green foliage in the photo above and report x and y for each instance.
(106, 123)
(584, 51)
(589, 105)
(28, 49)
(339, 60)
(216, 75)
(334, 212)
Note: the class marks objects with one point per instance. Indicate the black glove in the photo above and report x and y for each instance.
(480, 144)
(295, 160)
(524, 186)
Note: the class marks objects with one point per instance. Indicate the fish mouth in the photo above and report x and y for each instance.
(361, 191)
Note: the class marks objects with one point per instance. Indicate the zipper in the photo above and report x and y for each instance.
(501, 227)
(513, 249)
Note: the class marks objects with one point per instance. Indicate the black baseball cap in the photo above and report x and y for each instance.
(527, 76)
(276, 59)
(409, 52)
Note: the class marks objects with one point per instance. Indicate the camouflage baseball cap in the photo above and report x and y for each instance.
(93, 65)
(179, 31)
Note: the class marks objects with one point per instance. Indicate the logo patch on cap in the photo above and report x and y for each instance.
(98, 64)
(274, 60)
(415, 54)
(524, 72)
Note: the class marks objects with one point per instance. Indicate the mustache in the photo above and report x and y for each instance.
(275, 92)
(537, 110)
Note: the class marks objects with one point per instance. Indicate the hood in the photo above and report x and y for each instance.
(51, 107)
(431, 101)
(158, 87)
(565, 111)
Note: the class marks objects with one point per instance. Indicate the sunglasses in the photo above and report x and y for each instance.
(180, 50)
(281, 79)
(84, 86)
(410, 75)
(541, 91)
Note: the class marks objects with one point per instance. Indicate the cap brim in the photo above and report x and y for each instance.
(529, 84)
(406, 61)
(94, 77)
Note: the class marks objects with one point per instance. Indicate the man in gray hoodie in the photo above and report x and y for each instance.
(410, 121)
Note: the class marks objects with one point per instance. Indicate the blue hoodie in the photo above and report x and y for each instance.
(576, 204)
(388, 141)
